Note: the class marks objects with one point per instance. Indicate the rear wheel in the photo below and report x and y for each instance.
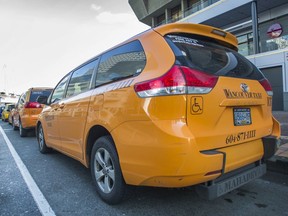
(43, 148)
(23, 132)
(106, 171)
(13, 125)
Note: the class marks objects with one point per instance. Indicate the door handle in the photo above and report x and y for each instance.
(61, 106)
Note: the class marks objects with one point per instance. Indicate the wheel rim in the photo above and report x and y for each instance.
(41, 137)
(104, 170)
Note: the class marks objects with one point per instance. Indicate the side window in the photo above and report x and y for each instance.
(59, 90)
(122, 62)
(22, 99)
(81, 79)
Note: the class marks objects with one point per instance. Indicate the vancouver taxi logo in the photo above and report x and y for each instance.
(245, 93)
(244, 87)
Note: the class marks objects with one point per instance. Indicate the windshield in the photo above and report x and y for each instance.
(210, 57)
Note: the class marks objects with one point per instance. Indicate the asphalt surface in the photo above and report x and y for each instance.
(69, 190)
(14, 193)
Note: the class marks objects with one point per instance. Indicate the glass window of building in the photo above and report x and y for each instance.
(273, 35)
(245, 44)
(160, 19)
(176, 13)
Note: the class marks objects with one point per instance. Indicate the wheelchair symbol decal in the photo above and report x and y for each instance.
(196, 105)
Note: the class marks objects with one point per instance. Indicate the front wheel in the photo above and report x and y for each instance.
(43, 148)
(106, 171)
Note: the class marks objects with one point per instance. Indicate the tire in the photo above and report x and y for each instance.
(14, 126)
(22, 131)
(43, 148)
(106, 171)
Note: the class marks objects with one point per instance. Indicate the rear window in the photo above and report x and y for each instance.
(10, 107)
(35, 94)
(210, 57)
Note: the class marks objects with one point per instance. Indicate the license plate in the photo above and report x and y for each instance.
(239, 180)
(242, 116)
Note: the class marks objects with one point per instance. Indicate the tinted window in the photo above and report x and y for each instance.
(10, 107)
(59, 90)
(35, 94)
(81, 79)
(122, 62)
(22, 99)
(211, 58)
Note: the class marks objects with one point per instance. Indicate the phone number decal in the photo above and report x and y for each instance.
(240, 136)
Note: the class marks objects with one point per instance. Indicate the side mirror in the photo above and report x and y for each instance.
(42, 99)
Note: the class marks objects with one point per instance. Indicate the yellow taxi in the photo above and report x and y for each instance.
(174, 106)
(6, 112)
(26, 111)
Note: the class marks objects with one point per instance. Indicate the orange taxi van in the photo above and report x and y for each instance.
(25, 114)
(174, 106)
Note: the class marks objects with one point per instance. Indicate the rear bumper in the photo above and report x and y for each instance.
(29, 121)
(166, 154)
(231, 181)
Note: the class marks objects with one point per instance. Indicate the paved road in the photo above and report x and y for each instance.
(68, 189)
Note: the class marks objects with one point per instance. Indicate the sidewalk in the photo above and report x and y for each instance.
(279, 162)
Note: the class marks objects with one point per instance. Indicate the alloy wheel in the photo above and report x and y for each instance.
(104, 170)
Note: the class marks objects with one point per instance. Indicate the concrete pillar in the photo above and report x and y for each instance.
(183, 7)
(167, 15)
(255, 26)
(153, 21)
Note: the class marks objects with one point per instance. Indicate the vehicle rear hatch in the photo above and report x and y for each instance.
(228, 98)
(35, 108)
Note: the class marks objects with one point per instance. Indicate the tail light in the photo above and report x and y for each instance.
(266, 85)
(178, 80)
(32, 105)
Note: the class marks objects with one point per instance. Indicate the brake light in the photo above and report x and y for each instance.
(266, 85)
(199, 82)
(32, 105)
(178, 80)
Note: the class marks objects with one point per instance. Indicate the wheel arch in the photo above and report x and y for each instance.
(95, 133)
(36, 128)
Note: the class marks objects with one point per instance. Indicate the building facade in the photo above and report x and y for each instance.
(261, 27)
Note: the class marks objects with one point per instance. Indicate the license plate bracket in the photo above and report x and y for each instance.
(242, 116)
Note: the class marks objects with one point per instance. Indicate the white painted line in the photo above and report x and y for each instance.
(39, 198)
(8, 129)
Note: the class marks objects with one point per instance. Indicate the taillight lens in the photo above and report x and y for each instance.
(266, 85)
(178, 80)
(172, 83)
(198, 82)
(32, 105)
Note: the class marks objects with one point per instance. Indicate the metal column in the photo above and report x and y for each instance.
(255, 26)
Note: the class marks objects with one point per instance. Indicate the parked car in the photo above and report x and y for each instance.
(11, 114)
(174, 106)
(6, 112)
(27, 109)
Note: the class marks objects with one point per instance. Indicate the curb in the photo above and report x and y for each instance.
(278, 164)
